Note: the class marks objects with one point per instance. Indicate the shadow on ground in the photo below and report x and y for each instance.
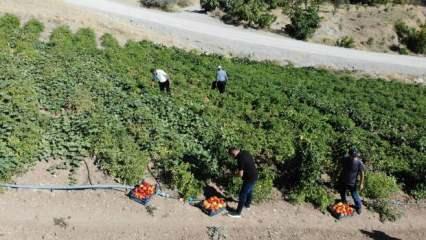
(378, 235)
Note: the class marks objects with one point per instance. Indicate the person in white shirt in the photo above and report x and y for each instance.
(160, 76)
(221, 79)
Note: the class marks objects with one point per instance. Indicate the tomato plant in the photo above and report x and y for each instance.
(66, 100)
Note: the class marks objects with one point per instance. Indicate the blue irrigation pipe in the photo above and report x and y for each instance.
(85, 187)
(66, 187)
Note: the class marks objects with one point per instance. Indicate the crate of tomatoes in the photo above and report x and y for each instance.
(142, 193)
(213, 206)
(341, 210)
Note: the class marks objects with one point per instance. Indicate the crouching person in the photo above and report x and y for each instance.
(248, 172)
(163, 79)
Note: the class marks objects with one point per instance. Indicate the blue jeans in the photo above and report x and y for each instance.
(246, 194)
(354, 193)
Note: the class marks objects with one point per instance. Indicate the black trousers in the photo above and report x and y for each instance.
(165, 86)
(221, 86)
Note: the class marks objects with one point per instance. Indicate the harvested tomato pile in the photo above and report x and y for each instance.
(143, 191)
(214, 203)
(342, 209)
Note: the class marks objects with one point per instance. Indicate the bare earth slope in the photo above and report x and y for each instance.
(111, 215)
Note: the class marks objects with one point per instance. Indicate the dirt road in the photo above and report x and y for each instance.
(211, 35)
(189, 30)
(104, 215)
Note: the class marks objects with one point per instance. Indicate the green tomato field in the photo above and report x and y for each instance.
(69, 99)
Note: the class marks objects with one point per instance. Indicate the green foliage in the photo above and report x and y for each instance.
(420, 192)
(317, 195)
(185, 181)
(28, 36)
(108, 41)
(120, 155)
(311, 157)
(415, 40)
(210, 5)
(253, 13)
(166, 5)
(379, 186)
(386, 211)
(9, 26)
(346, 42)
(304, 22)
(264, 185)
(311, 153)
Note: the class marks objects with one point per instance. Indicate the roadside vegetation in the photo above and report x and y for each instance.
(414, 39)
(346, 42)
(66, 99)
(166, 5)
(305, 18)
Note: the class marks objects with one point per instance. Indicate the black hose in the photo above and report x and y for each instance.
(88, 171)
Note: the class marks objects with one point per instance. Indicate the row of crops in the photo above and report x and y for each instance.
(67, 99)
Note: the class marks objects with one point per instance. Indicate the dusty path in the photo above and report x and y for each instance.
(212, 35)
(110, 215)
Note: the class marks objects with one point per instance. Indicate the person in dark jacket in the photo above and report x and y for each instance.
(248, 172)
(352, 167)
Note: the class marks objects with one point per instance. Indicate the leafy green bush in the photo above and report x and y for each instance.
(264, 185)
(317, 195)
(253, 13)
(185, 181)
(120, 156)
(379, 186)
(108, 41)
(346, 42)
(310, 155)
(386, 211)
(420, 192)
(9, 26)
(210, 5)
(165, 4)
(415, 40)
(304, 22)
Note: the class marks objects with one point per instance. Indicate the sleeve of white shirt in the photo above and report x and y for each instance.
(154, 76)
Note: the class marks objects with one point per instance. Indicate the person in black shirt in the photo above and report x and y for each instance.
(352, 167)
(247, 170)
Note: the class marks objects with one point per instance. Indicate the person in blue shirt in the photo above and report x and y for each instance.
(221, 79)
(352, 167)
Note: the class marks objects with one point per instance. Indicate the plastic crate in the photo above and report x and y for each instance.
(209, 212)
(338, 216)
(144, 201)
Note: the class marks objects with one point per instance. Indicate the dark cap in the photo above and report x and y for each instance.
(354, 152)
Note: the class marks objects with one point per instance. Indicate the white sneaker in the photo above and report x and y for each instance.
(234, 215)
